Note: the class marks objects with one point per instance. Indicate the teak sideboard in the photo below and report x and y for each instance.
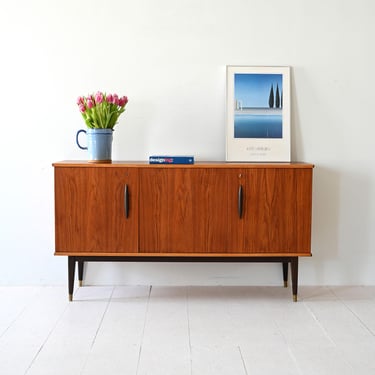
(204, 212)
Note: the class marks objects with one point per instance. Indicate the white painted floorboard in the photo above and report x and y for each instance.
(144, 330)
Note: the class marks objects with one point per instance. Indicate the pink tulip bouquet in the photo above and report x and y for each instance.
(101, 111)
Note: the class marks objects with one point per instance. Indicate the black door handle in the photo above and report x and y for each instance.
(126, 201)
(240, 199)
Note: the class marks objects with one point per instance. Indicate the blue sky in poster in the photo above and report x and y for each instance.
(253, 90)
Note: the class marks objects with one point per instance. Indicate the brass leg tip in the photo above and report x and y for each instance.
(285, 284)
(70, 297)
(294, 297)
(80, 282)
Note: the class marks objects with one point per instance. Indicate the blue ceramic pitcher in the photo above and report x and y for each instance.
(99, 144)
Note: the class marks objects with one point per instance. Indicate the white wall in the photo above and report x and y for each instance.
(169, 57)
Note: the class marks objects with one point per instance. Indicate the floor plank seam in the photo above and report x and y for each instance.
(46, 339)
(295, 360)
(25, 307)
(319, 324)
(290, 350)
(101, 320)
(363, 324)
(189, 331)
(96, 333)
(327, 335)
(13, 322)
(143, 330)
(243, 361)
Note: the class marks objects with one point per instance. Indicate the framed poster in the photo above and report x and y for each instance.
(258, 114)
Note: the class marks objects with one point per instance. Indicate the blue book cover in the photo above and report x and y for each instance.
(164, 159)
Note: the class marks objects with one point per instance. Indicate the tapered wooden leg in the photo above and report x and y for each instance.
(294, 269)
(71, 271)
(285, 274)
(80, 272)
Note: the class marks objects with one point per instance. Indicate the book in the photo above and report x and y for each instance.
(164, 159)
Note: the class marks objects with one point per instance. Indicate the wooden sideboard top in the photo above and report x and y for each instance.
(202, 164)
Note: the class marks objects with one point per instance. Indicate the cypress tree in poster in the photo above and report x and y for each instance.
(271, 99)
(277, 97)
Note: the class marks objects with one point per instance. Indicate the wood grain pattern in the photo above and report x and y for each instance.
(185, 210)
(89, 210)
(188, 209)
(270, 218)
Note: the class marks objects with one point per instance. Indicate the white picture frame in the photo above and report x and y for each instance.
(258, 114)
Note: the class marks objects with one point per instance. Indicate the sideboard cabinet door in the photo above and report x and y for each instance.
(96, 209)
(187, 210)
(277, 217)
